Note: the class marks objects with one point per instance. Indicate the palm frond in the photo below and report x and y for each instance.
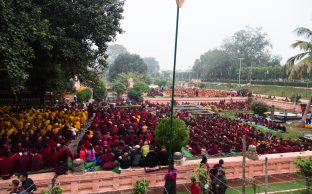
(294, 59)
(301, 68)
(303, 45)
(305, 32)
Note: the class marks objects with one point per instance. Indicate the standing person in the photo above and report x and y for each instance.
(203, 174)
(163, 156)
(214, 170)
(219, 183)
(171, 181)
(15, 187)
(27, 183)
(195, 189)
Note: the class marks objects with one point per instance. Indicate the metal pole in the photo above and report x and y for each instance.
(266, 176)
(172, 94)
(239, 73)
(244, 165)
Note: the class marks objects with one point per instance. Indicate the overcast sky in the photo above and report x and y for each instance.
(149, 26)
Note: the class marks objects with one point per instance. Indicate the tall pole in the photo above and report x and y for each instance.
(172, 94)
(170, 159)
(239, 73)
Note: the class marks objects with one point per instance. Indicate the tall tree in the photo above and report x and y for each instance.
(58, 40)
(213, 64)
(125, 63)
(301, 64)
(152, 65)
(251, 44)
(114, 50)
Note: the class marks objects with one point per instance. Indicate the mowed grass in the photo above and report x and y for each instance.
(284, 91)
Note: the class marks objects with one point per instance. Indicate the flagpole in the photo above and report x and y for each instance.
(172, 93)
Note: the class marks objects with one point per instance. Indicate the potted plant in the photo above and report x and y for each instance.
(140, 187)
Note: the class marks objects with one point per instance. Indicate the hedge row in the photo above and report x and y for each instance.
(276, 83)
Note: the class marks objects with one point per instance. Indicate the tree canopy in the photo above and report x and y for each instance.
(114, 50)
(301, 64)
(44, 44)
(152, 65)
(125, 63)
(251, 44)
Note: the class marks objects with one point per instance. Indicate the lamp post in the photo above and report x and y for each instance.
(240, 68)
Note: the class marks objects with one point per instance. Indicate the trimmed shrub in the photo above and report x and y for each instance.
(134, 94)
(259, 108)
(84, 95)
(180, 134)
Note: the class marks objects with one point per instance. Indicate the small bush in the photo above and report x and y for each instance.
(141, 86)
(201, 85)
(259, 108)
(140, 187)
(100, 93)
(134, 94)
(180, 134)
(84, 95)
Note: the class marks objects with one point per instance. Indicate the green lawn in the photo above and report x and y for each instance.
(285, 91)
(298, 184)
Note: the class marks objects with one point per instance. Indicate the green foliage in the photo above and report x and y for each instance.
(113, 51)
(44, 44)
(305, 167)
(140, 187)
(125, 63)
(119, 88)
(259, 108)
(141, 86)
(299, 65)
(296, 97)
(135, 94)
(252, 45)
(180, 134)
(201, 85)
(161, 82)
(55, 190)
(243, 92)
(84, 95)
(99, 92)
(152, 65)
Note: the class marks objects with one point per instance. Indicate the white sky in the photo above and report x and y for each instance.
(149, 26)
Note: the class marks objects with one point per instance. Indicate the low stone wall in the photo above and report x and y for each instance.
(195, 100)
(106, 181)
(281, 104)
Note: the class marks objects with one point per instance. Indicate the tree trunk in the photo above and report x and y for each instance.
(304, 116)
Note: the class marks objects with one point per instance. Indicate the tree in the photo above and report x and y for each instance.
(44, 42)
(99, 92)
(213, 64)
(119, 88)
(300, 64)
(180, 134)
(84, 95)
(305, 167)
(125, 63)
(259, 108)
(252, 45)
(141, 86)
(152, 65)
(114, 50)
(135, 94)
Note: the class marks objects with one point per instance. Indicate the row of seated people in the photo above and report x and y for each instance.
(30, 135)
(216, 135)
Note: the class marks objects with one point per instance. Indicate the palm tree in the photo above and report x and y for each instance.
(300, 64)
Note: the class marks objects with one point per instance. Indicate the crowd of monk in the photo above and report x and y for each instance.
(34, 138)
(199, 92)
(125, 135)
